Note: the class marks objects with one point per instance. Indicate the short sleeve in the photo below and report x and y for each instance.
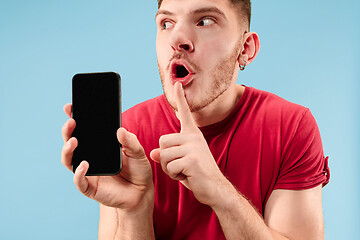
(303, 164)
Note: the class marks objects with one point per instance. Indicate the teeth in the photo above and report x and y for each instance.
(181, 71)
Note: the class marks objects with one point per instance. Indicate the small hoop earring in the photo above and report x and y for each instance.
(242, 68)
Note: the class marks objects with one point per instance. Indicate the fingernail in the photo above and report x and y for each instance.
(80, 168)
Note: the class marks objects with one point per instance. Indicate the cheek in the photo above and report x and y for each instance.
(218, 42)
(162, 51)
(212, 51)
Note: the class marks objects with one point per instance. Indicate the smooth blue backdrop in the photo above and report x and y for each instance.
(309, 55)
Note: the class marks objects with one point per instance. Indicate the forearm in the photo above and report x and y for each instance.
(239, 219)
(134, 226)
(116, 224)
(136, 223)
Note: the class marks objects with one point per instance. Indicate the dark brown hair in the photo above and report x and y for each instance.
(243, 7)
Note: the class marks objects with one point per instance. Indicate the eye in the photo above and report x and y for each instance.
(166, 25)
(206, 21)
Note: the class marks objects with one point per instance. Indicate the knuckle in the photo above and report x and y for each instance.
(171, 171)
(139, 151)
(164, 167)
(64, 149)
(192, 159)
(163, 141)
(66, 159)
(173, 176)
(64, 129)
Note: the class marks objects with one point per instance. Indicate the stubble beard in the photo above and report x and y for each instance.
(221, 79)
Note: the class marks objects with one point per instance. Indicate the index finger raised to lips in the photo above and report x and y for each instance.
(184, 113)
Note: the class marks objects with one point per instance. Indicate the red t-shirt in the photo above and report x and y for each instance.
(266, 143)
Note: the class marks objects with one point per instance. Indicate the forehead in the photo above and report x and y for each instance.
(191, 6)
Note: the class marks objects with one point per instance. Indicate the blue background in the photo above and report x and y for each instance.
(309, 55)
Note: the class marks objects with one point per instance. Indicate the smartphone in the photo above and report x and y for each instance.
(96, 109)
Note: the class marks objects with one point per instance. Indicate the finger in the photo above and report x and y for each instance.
(67, 153)
(184, 113)
(130, 143)
(68, 129)
(171, 140)
(170, 154)
(81, 182)
(175, 169)
(67, 109)
(155, 155)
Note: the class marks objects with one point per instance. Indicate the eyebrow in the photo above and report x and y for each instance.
(197, 11)
(208, 10)
(165, 12)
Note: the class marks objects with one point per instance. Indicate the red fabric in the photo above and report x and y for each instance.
(266, 143)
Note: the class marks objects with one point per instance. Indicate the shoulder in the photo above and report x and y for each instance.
(303, 164)
(274, 110)
(293, 123)
(270, 102)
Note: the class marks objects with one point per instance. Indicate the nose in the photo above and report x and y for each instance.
(182, 38)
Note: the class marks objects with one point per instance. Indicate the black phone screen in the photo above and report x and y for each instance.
(96, 109)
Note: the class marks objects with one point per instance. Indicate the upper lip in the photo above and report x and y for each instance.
(180, 62)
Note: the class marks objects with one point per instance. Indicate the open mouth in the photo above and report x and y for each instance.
(181, 71)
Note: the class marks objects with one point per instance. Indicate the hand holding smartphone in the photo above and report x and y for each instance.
(96, 109)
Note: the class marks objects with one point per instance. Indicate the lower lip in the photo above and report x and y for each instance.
(184, 81)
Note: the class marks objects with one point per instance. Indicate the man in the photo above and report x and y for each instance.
(209, 159)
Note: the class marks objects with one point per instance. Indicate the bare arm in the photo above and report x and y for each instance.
(288, 215)
(108, 222)
(296, 214)
(117, 224)
(238, 218)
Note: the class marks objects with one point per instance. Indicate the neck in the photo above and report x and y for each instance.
(220, 108)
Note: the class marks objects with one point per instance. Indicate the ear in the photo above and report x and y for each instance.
(250, 48)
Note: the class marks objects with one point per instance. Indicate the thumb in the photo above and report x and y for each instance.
(80, 180)
(130, 144)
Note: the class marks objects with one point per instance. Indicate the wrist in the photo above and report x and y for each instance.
(143, 207)
(136, 222)
(225, 196)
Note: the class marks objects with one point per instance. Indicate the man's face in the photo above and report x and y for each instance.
(198, 44)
